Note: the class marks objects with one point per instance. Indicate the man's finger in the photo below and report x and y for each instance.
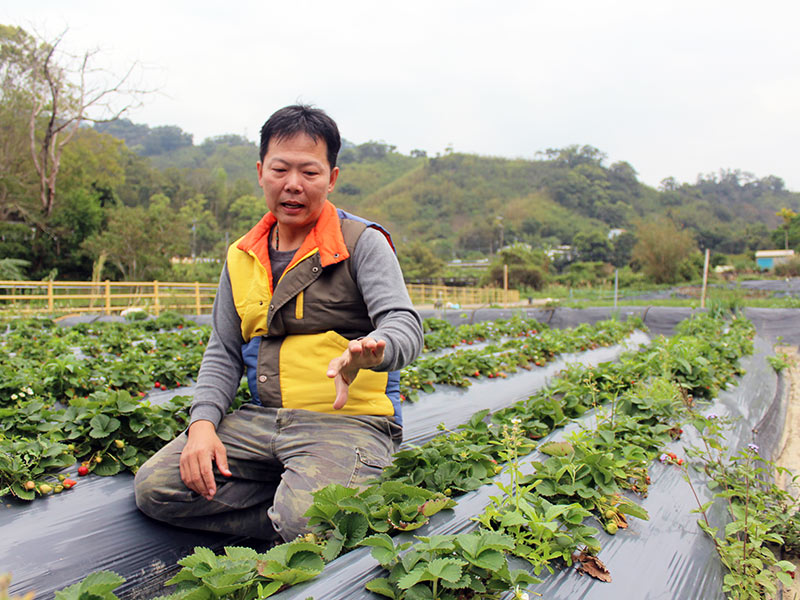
(207, 479)
(221, 458)
(342, 388)
(192, 477)
(335, 366)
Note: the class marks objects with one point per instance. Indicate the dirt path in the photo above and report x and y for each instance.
(789, 457)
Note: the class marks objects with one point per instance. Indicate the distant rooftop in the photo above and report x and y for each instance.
(774, 253)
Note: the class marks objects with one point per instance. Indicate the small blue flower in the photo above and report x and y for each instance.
(712, 416)
(663, 458)
(753, 447)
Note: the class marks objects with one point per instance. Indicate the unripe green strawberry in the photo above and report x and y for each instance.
(45, 489)
(58, 489)
(612, 528)
(29, 485)
(119, 444)
(610, 513)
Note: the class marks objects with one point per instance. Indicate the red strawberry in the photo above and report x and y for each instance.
(157, 384)
(68, 483)
(83, 470)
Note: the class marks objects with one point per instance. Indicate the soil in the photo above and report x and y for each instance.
(789, 457)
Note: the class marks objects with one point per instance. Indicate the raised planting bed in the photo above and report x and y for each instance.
(110, 532)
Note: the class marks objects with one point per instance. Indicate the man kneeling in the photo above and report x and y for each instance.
(312, 306)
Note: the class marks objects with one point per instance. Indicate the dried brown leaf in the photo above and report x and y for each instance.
(592, 566)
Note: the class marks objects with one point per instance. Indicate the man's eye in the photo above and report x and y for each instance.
(279, 170)
(311, 173)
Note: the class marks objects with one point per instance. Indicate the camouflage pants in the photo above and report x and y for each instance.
(278, 457)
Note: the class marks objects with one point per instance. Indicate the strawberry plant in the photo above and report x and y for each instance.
(97, 586)
(243, 573)
(446, 567)
(459, 367)
(441, 334)
(344, 516)
(27, 460)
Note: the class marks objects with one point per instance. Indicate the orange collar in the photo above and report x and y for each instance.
(326, 237)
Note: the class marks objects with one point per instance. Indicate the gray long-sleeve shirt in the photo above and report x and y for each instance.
(380, 282)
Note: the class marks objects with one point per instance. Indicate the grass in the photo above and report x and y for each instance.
(604, 296)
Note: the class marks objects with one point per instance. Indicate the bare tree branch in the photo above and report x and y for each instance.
(68, 91)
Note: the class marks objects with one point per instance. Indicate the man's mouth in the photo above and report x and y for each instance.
(290, 205)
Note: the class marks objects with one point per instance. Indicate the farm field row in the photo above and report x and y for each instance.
(541, 511)
(641, 388)
(78, 395)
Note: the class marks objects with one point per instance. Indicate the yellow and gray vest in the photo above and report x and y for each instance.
(294, 328)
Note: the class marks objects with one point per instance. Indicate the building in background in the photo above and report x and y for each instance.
(768, 259)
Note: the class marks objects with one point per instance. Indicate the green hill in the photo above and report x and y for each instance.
(463, 204)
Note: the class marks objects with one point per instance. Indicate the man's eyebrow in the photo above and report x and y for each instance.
(314, 163)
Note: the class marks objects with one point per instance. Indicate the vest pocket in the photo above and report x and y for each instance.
(304, 362)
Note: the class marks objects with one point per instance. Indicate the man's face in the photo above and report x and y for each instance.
(296, 179)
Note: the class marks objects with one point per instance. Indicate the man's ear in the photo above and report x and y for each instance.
(334, 177)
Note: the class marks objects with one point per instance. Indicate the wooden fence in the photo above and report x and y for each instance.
(111, 297)
(108, 297)
(463, 296)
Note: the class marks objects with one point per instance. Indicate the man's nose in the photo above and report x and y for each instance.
(293, 182)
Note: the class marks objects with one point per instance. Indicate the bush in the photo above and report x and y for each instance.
(691, 267)
(662, 251)
(628, 278)
(587, 273)
(790, 268)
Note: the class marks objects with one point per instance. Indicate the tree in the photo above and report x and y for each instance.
(661, 249)
(61, 92)
(139, 241)
(418, 262)
(575, 155)
(623, 249)
(787, 215)
(526, 267)
(205, 232)
(593, 246)
(244, 213)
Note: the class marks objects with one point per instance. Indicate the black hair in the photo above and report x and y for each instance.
(300, 118)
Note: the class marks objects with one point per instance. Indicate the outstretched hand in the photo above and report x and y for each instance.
(360, 354)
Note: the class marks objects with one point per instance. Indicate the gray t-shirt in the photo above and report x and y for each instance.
(380, 282)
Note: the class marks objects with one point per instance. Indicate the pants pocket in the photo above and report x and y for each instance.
(368, 467)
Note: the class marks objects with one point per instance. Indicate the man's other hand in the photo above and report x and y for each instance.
(360, 354)
(203, 447)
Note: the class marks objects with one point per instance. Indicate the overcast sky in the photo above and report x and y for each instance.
(675, 88)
